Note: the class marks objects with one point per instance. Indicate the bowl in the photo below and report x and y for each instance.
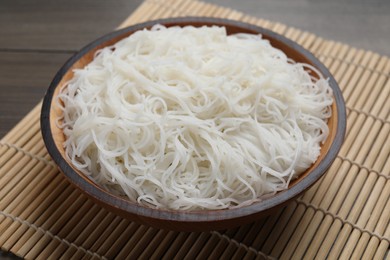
(201, 220)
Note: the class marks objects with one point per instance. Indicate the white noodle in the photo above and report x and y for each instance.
(190, 118)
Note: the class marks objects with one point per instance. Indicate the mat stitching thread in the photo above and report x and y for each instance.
(363, 167)
(31, 155)
(169, 8)
(354, 64)
(344, 221)
(239, 244)
(384, 121)
(180, 11)
(39, 229)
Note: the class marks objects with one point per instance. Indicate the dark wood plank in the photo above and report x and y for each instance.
(24, 78)
(59, 25)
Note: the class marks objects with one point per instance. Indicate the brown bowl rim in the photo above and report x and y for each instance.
(201, 215)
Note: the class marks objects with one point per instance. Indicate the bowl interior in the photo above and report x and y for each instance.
(54, 138)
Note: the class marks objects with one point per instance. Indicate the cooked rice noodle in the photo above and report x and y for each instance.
(190, 118)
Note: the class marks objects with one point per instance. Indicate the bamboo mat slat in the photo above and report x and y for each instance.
(346, 214)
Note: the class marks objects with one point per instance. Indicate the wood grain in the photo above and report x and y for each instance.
(58, 25)
(24, 79)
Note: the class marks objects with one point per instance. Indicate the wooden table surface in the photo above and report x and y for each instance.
(37, 37)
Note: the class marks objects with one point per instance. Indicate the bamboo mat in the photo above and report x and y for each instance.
(345, 215)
